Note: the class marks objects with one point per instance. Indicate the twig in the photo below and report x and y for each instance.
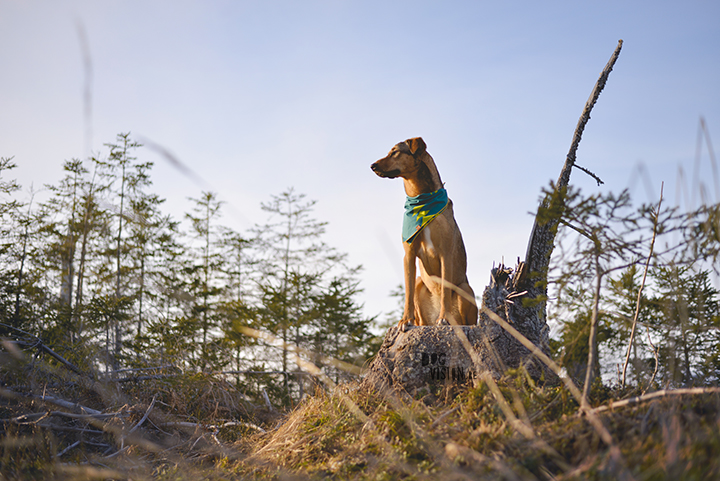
(147, 413)
(656, 351)
(26, 418)
(86, 416)
(590, 374)
(655, 395)
(442, 417)
(143, 378)
(71, 429)
(214, 427)
(41, 346)
(67, 404)
(116, 453)
(37, 417)
(237, 423)
(76, 443)
(642, 285)
(50, 399)
(167, 366)
(591, 174)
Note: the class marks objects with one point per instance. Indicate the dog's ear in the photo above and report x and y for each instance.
(417, 146)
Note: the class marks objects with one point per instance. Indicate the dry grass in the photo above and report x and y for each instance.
(201, 427)
(468, 437)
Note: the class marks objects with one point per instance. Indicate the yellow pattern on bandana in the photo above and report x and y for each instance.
(421, 210)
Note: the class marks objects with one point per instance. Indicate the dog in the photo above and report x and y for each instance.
(430, 234)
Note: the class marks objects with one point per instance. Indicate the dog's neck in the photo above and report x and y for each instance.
(425, 179)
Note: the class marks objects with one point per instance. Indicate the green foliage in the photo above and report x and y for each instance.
(687, 325)
(604, 246)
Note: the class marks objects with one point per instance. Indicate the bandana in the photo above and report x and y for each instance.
(421, 210)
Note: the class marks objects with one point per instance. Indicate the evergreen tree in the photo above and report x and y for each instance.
(11, 277)
(293, 261)
(607, 236)
(239, 307)
(340, 331)
(687, 324)
(202, 281)
(306, 289)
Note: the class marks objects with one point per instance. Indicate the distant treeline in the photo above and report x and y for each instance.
(102, 275)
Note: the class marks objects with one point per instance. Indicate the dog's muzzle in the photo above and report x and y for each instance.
(390, 175)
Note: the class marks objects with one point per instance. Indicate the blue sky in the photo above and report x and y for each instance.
(260, 96)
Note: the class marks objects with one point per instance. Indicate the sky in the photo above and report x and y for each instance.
(257, 97)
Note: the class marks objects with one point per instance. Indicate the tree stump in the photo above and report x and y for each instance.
(423, 358)
(426, 356)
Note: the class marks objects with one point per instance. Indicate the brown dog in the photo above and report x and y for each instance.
(435, 239)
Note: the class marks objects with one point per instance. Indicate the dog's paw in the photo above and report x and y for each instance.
(442, 322)
(405, 326)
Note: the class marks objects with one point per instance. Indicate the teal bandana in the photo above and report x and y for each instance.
(420, 210)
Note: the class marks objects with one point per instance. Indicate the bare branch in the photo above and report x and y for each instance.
(147, 413)
(591, 174)
(642, 284)
(656, 395)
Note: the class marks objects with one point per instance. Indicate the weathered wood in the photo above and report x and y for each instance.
(416, 357)
(656, 395)
(528, 312)
(542, 237)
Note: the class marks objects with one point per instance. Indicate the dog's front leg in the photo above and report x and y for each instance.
(409, 269)
(445, 293)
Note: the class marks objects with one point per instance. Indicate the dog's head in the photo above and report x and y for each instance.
(402, 159)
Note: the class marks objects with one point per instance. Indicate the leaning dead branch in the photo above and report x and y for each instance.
(36, 343)
(656, 395)
(532, 274)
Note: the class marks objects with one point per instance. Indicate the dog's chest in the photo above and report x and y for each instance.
(427, 252)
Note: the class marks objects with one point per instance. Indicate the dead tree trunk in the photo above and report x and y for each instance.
(520, 295)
